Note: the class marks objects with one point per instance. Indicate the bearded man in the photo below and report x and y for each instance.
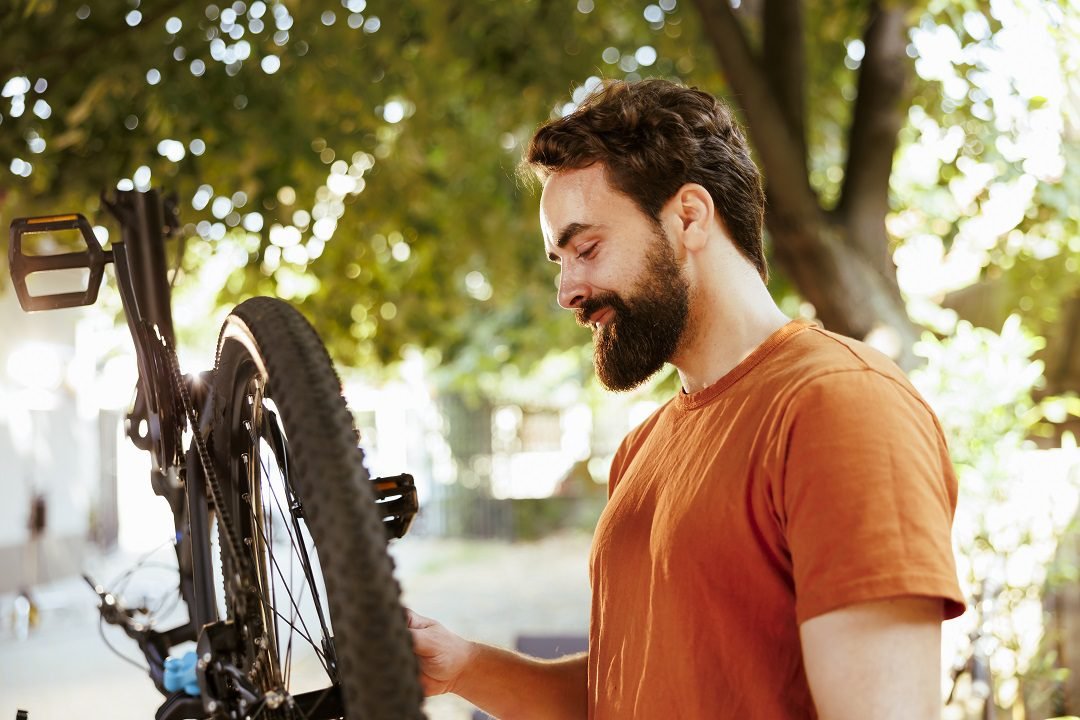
(777, 538)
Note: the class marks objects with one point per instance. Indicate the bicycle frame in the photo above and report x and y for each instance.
(142, 277)
(153, 423)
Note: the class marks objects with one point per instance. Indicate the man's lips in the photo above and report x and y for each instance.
(600, 317)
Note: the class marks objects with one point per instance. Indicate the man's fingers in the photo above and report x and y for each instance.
(416, 621)
(422, 646)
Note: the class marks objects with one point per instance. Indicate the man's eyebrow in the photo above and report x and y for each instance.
(569, 233)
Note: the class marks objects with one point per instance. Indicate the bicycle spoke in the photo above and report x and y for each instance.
(260, 472)
(257, 449)
(305, 562)
(288, 648)
(303, 587)
(294, 542)
(298, 631)
(299, 548)
(287, 671)
(307, 633)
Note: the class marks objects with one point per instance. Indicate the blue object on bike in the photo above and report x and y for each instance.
(180, 674)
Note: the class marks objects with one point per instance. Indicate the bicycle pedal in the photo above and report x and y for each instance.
(395, 497)
(23, 265)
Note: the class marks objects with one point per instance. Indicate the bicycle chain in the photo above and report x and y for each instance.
(224, 516)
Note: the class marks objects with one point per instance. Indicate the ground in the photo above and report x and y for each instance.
(486, 590)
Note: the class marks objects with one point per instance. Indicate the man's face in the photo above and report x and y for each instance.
(619, 275)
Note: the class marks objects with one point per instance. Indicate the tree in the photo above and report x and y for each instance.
(373, 149)
(837, 256)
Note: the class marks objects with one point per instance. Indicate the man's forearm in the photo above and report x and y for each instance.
(511, 686)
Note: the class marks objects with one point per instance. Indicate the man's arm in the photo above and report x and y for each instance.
(877, 660)
(506, 685)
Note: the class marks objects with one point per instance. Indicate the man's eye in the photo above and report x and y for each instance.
(587, 253)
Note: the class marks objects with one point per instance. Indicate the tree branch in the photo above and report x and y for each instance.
(783, 56)
(777, 148)
(70, 56)
(847, 289)
(872, 137)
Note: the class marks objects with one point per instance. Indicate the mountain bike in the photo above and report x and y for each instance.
(260, 457)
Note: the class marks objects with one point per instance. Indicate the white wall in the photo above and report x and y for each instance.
(46, 444)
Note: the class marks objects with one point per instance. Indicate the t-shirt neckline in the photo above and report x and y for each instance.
(685, 401)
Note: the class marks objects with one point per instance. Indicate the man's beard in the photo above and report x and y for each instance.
(644, 330)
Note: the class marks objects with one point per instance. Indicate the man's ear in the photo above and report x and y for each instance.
(692, 209)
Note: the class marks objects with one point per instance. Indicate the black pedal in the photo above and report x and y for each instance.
(22, 265)
(395, 497)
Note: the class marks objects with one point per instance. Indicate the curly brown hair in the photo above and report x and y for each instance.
(653, 136)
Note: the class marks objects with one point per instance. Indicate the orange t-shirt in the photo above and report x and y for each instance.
(810, 477)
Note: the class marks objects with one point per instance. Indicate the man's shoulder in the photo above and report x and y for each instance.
(822, 369)
(819, 357)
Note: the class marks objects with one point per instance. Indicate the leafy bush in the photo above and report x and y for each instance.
(1015, 506)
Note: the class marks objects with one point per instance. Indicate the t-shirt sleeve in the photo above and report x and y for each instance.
(867, 495)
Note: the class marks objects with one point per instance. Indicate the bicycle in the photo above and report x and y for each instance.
(262, 449)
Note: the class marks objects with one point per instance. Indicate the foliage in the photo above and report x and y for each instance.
(984, 180)
(1015, 505)
(378, 161)
(372, 146)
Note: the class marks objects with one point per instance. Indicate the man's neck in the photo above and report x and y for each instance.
(725, 333)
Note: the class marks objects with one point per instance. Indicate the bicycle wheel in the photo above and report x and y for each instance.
(319, 607)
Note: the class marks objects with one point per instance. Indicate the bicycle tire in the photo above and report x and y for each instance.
(275, 388)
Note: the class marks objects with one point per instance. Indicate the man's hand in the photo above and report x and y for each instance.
(443, 655)
(505, 684)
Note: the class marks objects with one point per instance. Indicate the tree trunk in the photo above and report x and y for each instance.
(839, 259)
(848, 294)
(1050, 693)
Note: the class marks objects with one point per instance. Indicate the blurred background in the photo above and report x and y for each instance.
(359, 158)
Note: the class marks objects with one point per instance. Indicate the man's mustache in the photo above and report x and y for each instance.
(595, 304)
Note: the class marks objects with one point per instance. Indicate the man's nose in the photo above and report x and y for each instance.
(572, 289)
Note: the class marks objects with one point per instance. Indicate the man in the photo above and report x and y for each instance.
(776, 542)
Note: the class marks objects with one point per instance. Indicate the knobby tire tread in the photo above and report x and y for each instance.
(378, 670)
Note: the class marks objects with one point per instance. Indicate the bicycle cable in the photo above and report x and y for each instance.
(122, 656)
